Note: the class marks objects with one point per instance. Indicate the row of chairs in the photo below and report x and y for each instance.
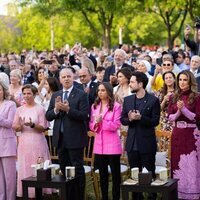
(92, 175)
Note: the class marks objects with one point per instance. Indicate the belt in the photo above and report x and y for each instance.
(183, 124)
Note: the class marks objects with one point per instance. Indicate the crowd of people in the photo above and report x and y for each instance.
(72, 91)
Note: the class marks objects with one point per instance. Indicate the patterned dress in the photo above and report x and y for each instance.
(32, 144)
(185, 150)
(165, 124)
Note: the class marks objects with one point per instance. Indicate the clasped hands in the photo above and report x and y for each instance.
(23, 122)
(180, 104)
(134, 115)
(61, 106)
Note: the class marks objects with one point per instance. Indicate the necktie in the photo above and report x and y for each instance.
(65, 97)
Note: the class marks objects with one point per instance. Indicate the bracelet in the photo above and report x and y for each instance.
(33, 125)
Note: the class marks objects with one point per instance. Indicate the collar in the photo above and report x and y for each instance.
(194, 71)
(69, 90)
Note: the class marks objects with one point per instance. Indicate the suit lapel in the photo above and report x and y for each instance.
(144, 104)
(72, 95)
(104, 112)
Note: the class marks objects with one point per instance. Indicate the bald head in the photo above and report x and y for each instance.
(84, 75)
(195, 62)
(119, 57)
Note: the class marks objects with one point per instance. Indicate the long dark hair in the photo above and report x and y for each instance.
(193, 87)
(164, 88)
(109, 90)
(53, 84)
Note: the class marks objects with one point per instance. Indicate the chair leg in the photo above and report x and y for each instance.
(96, 186)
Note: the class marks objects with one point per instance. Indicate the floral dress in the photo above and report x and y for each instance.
(185, 149)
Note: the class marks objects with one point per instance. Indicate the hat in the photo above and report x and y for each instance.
(76, 67)
(4, 80)
(147, 64)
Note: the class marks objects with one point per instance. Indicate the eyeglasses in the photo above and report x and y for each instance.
(83, 76)
(166, 64)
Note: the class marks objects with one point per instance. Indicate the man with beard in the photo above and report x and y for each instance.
(141, 113)
(119, 62)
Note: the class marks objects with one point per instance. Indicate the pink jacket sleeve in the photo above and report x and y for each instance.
(92, 123)
(7, 122)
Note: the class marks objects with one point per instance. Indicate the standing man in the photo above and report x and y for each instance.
(141, 112)
(69, 109)
(90, 87)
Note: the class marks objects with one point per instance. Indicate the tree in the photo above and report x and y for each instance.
(193, 9)
(100, 14)
(172, 13)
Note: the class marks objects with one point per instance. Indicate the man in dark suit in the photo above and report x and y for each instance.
(141, 113)
(119, 62)
(69, 109)
(90, 87)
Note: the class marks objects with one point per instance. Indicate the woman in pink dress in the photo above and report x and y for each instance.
(105, 121)
(8, 145)
(184, 111)
(15, 88)
(30, 120)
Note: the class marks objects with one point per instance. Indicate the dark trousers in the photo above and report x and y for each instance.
(73, 157)
(139, 160)
(102, 162)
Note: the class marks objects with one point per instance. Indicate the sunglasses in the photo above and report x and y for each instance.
(166, 64)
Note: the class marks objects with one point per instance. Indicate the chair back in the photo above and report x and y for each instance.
(88, 151)
(52, 149)
(164, 141)
(124, 157)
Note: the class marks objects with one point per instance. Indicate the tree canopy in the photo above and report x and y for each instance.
(55, 23)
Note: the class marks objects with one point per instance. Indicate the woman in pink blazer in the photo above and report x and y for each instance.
(105, 122)
(8, 146)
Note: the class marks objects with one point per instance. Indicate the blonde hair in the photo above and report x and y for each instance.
(18, 73)
(6, 94)
(86, 62)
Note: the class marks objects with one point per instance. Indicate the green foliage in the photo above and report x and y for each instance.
(94, 22)
(8, 33)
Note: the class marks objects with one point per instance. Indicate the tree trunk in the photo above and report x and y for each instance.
(52, 33)
(170, 41)
(106, 37)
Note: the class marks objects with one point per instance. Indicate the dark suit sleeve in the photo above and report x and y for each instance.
(124, 115)
(50, 114)
(82, 111)
(191, 44)
(106, 77)
(154, 119)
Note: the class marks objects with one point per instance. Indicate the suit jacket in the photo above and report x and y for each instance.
(111, 70)
(107, 140)
(78, 85)
(93, 92)
(142, 130)
(194, 46)
(8, 144)
(74, 122)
